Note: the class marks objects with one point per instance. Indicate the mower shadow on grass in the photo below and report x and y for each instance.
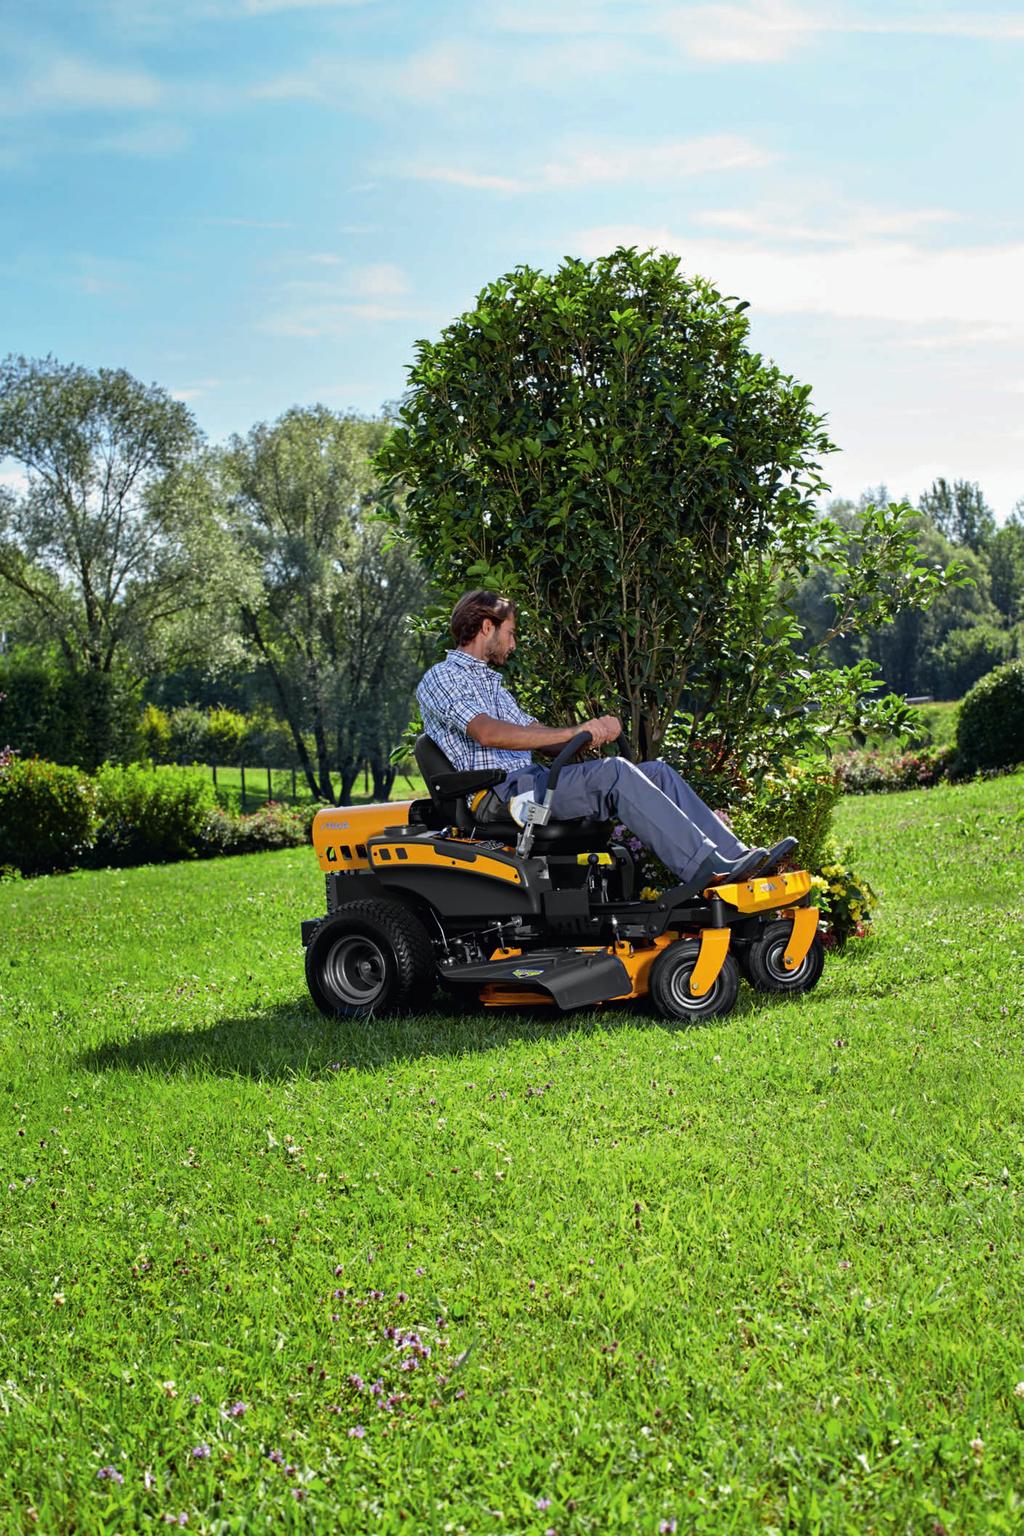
(293, 1040)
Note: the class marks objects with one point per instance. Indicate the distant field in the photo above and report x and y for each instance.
(500, 1273)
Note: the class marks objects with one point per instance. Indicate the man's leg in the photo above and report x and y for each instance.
(688, 801)
(610, 786)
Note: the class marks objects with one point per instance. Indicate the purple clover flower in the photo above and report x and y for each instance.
(356, 1381)
(666, 1528)
(238, 1410)
(110, 1474)
(200, 1452)
(543, 1503)
(357, 1432)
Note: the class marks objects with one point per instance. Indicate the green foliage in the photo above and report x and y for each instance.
(602, 445)
(965, 655)
(112, 548)
(272, 826)
(327, 614)
(155, 734)
(64, 716)
(1006, 566)
(797, 802)
(845, 900)
(150, 815)
(48, 816)
(990, 729)
(960, 512)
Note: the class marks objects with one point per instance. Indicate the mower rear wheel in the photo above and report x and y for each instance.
(369, 957)
(763, 961)
(669, 986)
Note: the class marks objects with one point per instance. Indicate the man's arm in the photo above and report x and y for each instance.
(490, 732)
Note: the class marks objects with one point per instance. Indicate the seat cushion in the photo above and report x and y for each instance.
(582, 835)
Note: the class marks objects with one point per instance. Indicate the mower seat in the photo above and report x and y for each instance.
(448, 791)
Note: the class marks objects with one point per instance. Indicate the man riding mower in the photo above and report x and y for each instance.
(504, 887)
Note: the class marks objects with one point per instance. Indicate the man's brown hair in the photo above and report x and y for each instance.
(473, 607)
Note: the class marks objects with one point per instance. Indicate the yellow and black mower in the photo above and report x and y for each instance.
(422, 894)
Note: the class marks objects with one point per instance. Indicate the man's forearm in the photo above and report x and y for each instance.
(490, 732)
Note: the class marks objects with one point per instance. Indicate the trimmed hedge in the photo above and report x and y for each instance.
(56, 818)
(48, 815)
(990, 729)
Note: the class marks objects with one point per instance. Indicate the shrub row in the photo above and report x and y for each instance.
(873, 772)
(58, 818)
(189, 734)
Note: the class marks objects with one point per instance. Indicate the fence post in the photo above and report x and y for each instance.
(295, 794)
(242, 766)
(214, 767)
(270, 786)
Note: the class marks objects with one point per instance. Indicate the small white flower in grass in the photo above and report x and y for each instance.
(860, 1456)
(168, 1389)
(978, 1446)
(1018, 1390)
(58, 1298)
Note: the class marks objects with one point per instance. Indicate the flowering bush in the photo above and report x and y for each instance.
(872, 772)
(844, 899)
(273, 826)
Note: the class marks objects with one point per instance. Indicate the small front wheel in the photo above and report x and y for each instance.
(369, 957)
(670, 984)
(763, 961)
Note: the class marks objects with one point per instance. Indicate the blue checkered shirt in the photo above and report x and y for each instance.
(455, 690)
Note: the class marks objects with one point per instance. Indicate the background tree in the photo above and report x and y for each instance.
(960, 512)
(326, 614)
(602, 445)
(1006, 566)
(111, 549)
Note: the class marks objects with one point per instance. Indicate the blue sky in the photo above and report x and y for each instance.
(258, 203)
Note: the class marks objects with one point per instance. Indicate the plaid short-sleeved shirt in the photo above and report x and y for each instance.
(455, 690)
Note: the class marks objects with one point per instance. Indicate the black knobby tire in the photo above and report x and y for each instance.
(369, 958)
(669, 985)
(762, 961)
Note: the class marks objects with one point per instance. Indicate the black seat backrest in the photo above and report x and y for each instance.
(430, 760)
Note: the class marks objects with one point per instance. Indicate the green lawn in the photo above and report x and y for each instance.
(758, 1276)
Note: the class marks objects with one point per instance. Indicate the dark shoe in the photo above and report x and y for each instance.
(777, 856)
(719, 870)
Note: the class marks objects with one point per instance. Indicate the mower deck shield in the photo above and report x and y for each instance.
(760, 895)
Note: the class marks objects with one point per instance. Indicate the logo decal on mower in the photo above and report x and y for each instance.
(524, 971)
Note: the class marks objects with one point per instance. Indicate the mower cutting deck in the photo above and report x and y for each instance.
(419, 894)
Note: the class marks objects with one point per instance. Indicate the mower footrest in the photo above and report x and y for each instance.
(572, 978)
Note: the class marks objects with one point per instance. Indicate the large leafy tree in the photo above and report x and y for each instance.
(326, 602)
(108, 545)
(603, 444)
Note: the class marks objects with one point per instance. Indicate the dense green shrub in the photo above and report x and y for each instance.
(965, 656)
(155, 734)
(990, 730)
(150, 815)
(48, 815)
(190, 734)
(797, 803)
(273, 826)
(872, 772)
(66, 717)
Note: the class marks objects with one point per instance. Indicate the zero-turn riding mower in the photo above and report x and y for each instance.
(509, 912)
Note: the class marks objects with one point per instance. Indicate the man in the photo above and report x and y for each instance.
(478, 724)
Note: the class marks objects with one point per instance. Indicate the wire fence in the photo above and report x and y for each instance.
(244, 787)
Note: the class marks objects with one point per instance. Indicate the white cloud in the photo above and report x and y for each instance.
(327, 308)
(848, 225)
(68, 84)
(748, 31)
(613, 164)
(889, 280)
(151, 140)
(196, 391)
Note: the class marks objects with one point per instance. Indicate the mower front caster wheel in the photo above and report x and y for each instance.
(763, 961)
(669, 987)
(369, 958)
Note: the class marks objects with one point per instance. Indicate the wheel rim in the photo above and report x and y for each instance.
(355, 970)
(774, 963)
(682, 997)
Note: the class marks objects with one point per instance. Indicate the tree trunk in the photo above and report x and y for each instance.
(301, 752)
(384, 774)
(349, 774)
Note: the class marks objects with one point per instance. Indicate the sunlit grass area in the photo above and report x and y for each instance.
(495, 1272)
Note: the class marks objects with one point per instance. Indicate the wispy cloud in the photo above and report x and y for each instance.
(196, 391)
(749, 31)
(888, 280)
(831, 227)
(612, 164)
(376, 292)
(69, 84)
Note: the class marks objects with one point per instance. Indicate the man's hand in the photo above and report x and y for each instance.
(607, 728)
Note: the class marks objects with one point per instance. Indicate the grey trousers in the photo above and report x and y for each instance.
(651, 798)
